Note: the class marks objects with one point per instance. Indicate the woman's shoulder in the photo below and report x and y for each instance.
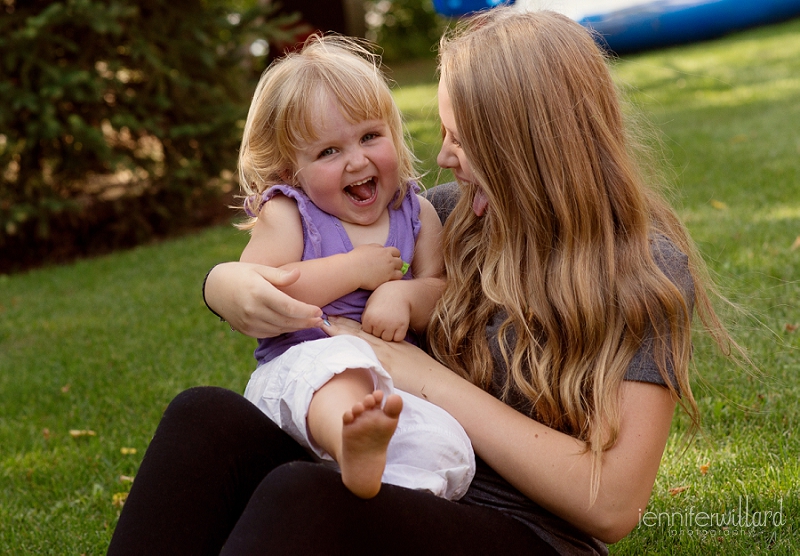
(665, 251)
(674, 263)
(443, 197)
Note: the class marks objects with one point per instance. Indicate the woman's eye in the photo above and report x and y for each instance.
(453, 140)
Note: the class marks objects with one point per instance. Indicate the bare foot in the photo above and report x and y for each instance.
(365, 436)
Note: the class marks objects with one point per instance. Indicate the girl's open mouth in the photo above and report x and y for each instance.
(363, 191)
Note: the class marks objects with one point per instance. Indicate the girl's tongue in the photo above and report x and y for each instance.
(362, 191)
(479, 203)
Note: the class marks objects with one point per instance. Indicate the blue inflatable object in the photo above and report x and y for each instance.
(455, 8)
(669, 22)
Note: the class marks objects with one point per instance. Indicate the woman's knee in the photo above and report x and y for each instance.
(296, 509)
(201, 403)
(212, 420)
(295, 484)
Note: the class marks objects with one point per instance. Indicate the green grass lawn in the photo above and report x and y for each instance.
(104, 344)
(730, 120)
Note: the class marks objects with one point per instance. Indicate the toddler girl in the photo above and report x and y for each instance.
(329, 188)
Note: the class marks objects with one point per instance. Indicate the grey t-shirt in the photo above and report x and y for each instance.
(488, 488)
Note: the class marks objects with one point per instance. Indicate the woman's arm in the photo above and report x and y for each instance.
(247, 297)
(549, 467)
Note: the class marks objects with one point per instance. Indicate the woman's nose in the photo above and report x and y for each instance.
(445, 158)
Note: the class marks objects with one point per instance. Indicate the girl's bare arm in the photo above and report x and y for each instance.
(277, 241)
(411, 302)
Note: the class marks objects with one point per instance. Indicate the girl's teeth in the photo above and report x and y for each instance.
(362, 190)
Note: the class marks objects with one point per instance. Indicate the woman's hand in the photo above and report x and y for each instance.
(246, 296)
(407, 364)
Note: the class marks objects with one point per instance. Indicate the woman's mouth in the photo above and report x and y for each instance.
(480, 202)
(363, 191)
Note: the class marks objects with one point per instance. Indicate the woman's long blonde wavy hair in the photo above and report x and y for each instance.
(290, 98)
(564, 249)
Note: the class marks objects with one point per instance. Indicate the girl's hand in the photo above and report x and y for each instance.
(387, 314)
(245, 295)
(376, 264)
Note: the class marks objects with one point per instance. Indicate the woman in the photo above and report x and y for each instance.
(561, 343)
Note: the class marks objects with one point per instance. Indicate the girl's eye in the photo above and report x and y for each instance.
(327, 152)
(368, 136)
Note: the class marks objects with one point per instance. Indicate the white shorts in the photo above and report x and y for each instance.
(428, 451)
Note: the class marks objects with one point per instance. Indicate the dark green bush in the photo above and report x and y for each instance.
(118, 118)
(405, 29)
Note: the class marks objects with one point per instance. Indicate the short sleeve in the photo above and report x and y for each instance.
(675, 265)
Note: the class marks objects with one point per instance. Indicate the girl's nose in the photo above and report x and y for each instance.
(357, 161)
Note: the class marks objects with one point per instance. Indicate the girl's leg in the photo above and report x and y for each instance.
(209, 453)
(303, 508)
(346, 419)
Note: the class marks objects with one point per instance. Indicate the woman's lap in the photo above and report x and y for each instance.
(217, 464)
(303, 508)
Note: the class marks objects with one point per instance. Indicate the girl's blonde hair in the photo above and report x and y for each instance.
(291, 96)
(564, 249)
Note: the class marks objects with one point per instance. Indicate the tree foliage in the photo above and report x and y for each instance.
(120, 111)
(405, 29)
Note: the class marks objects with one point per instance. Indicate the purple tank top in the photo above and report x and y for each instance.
(323, 236)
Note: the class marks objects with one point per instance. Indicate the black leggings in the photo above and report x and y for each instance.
(219, 472)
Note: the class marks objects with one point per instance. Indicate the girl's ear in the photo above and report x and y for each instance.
(288, 176)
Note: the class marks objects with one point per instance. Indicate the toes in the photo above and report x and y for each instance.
(368, 403)
(393, 406)
(371, 401)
